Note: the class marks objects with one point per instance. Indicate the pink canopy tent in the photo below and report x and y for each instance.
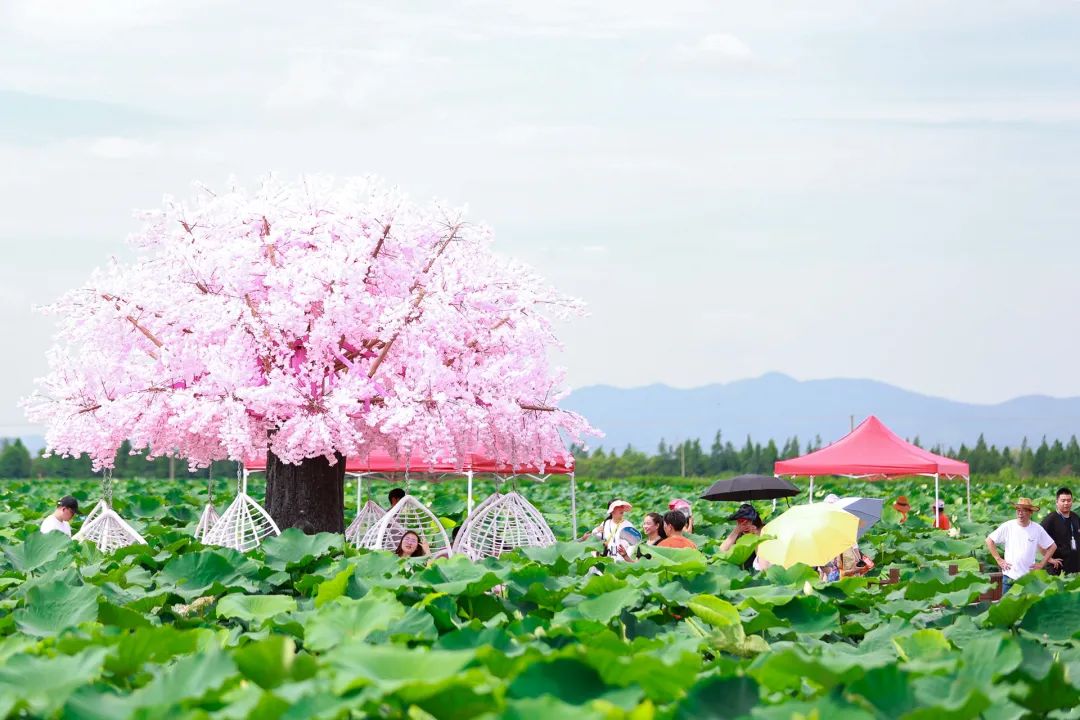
(380, 462)
(874, 451)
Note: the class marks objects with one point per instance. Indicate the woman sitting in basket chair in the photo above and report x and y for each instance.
(410, 545)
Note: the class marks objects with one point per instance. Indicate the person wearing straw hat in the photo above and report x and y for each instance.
(903, 507)
(1021, 539)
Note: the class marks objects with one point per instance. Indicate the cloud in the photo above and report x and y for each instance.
(76, 18)
(715, 49)
(945, 113)
(311, 79)
(121, 148)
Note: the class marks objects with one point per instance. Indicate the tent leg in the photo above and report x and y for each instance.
(936, 496)
(468, 511)
(573, 507)
(811, 489)
(967, 479)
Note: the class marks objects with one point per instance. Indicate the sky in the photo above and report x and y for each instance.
(879, 190)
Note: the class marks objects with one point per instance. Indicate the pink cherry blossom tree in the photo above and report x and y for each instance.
(309, 322)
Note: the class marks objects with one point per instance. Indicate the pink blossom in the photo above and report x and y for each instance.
(317, 317)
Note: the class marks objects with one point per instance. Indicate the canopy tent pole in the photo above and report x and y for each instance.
(469, 507)
(967, 479)
(573, 507)
(937, 476)
(811, 489)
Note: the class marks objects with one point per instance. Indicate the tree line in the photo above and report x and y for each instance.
(690, 458)
(687, 458)
(16, 461)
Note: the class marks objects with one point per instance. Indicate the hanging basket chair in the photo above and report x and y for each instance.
(207, 520)
(108, 531)
(243, 525)
(103, 527)
(500, 524)
(92, 515)
(408, 514)
(209, 515)
(370, 514)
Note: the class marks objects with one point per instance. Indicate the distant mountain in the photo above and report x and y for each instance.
(777, 406)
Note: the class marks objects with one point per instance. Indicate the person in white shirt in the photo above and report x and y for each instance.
(60, 520)
(1021, 539)
(608, 531)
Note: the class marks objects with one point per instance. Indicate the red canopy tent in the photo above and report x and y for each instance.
(380, 462)
(874, 451)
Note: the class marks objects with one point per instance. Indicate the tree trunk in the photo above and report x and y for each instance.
(309, 496)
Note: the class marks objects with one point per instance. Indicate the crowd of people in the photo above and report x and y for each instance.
(1054, 541)
(1018, 545)
(622, 541)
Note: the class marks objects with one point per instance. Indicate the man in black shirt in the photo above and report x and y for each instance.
(1063, 525)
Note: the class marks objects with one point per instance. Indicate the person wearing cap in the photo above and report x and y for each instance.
(747, 522)
(942, 519)
(1021, 538)
(60, 520)
(608, 531)
(683, 506)
(903, 507)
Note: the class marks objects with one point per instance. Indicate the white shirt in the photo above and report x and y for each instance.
(1021, 544)
(608, 531)
(50, 524)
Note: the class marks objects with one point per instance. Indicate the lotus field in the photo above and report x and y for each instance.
(307, 626)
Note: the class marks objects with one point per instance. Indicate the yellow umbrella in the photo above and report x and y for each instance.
(810, 534)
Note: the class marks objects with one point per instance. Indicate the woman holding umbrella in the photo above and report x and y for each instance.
(747, 522)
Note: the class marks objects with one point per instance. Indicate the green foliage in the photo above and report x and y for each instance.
(687, 459)
(309, 627)
(14, 460)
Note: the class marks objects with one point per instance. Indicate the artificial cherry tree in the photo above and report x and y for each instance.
(309, 322)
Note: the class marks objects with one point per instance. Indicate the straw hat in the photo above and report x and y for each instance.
(901, 504)
(1025, 504)
(618, 503)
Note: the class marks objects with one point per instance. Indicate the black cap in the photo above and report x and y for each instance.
(746, 510)
(69, 502)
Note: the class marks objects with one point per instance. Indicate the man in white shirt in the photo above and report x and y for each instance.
(1021, 538)
(60, 521)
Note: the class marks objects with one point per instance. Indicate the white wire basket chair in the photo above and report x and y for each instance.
(207, 521)
(104, 527)
(244, 523)
(209, 516)
(500, 524)
(368, 516)
(408, 514)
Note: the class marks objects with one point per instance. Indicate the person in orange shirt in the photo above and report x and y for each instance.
(942, 519)
(674, 522)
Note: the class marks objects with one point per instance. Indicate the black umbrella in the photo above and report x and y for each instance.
(750, 487)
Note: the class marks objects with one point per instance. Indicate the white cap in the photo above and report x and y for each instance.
(832, 498)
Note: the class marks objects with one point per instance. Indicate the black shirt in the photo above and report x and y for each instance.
(1065, 531)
